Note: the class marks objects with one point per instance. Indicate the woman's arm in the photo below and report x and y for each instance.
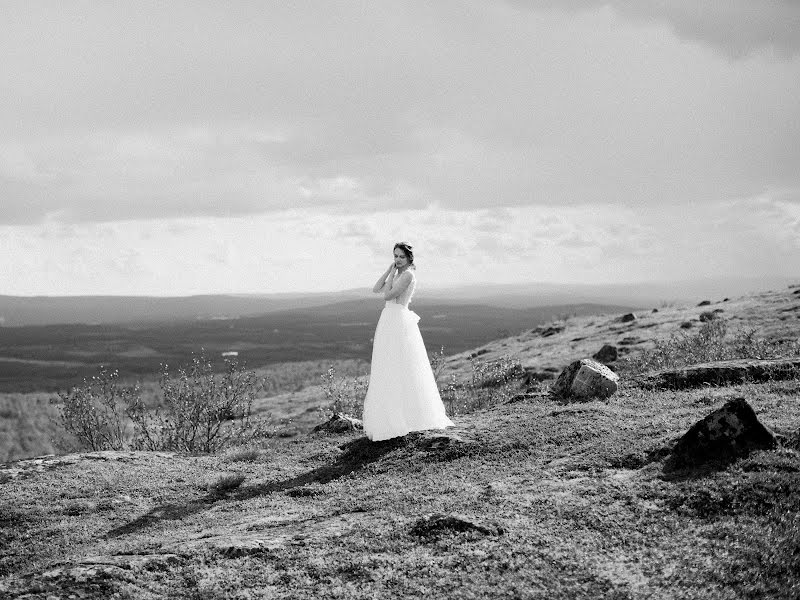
(398, 287)
(387, 277)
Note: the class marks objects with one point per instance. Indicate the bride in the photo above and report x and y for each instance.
(402, 395)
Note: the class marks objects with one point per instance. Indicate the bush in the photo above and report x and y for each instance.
(226, 482)
(344, 394)
(200, 411)
(710, 343)
(95, 412)
(491, 382)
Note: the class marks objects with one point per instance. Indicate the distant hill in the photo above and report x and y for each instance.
(18, 311)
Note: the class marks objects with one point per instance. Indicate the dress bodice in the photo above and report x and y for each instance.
(405, 298)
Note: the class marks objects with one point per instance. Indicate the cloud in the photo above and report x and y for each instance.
(736, 27)
(169, 110)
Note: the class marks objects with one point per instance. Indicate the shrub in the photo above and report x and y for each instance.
(242, 454)
(710, 343)
(344, 394)
(491, 382)
(226, 482)
(200, 411)
(95, 412)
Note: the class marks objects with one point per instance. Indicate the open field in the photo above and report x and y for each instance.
(55, 357)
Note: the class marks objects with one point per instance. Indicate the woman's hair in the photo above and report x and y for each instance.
(406, 248)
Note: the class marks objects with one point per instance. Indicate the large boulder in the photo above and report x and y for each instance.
(585, 379)
(606, 354)
(728, 432)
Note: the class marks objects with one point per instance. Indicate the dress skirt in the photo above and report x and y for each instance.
(402, 394)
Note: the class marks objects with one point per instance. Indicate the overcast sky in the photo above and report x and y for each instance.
(172, 148)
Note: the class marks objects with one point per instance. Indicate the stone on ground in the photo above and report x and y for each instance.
(728, 432)
(438, 524)
(340, 423)
(585, 379)
(627, 318)
(606, 354)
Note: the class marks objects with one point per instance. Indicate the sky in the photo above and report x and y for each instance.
(175, 148)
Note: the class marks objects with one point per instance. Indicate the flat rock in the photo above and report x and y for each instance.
(724, 372)
(30, 466)
(435, 525)
(435, 440)
(340, 423)
(585, 379)
(728, 432)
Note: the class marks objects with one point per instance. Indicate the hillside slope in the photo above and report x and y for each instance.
(531, 499)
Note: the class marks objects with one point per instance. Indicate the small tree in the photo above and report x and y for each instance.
(94, 412)
(202, 411)
(344, 394)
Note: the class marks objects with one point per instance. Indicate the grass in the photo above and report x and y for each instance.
(574, 502)
(711, 342)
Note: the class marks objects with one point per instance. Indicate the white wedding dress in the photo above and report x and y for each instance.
(402, 394)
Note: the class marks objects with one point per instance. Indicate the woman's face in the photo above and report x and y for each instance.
(400, 258)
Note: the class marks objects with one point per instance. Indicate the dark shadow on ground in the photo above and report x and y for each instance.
(356, 454)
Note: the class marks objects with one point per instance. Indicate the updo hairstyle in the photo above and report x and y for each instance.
(406, 248)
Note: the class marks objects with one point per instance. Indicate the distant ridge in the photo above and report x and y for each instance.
(51, 310)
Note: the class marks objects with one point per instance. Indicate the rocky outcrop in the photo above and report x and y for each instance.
(729, 432)
(548, 330)
(436, 525)
(725, 372)
(584, 380)
(31, 466)
(606, 354)
(340, 423)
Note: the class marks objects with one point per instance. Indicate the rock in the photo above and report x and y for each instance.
(655, 310)
(547, 331)
(731, 431)
(585, 379)
(704, 303)
(340, 423)
(718, 310)
(606, 354)
(707, 316)
(724, 372)
(630, 341)
(686, 325)
(627, 318)
(478, 353)
(725, 299)
(438, 524)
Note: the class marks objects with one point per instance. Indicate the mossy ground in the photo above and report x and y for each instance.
(578, 501)
(570, 501)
